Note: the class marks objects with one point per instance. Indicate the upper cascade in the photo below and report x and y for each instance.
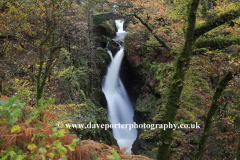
(120, 33)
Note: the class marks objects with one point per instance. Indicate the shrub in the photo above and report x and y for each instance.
(24, 136)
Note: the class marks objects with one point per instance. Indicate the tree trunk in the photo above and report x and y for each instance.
(1, 87)
(209, 120)
(54, 52)
(2, 77)
(41, 83)
(175, 89)
(205, 8)
(238, 149)
(90, 56)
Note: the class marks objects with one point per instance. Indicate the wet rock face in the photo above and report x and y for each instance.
(104, 34)
(102, 63)
(134, 79)
(103, 31)
(106, 28)
(147, 100)
(113, 47)
(144, 110)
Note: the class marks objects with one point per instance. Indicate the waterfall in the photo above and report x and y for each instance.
(120, 108)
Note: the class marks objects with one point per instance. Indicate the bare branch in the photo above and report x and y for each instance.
(151, 30)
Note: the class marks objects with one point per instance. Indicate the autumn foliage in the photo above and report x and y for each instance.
(37, 139)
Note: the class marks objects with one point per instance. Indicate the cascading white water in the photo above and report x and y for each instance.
(120, 110)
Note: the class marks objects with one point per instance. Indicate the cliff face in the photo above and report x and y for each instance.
(142, 83)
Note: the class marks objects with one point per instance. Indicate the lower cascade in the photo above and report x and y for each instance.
(120, 110)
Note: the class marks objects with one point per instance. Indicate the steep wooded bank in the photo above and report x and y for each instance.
(181, 65)
(47, 48)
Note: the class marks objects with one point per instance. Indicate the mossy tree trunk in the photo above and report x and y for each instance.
(90, 52)
(238, 149)
(222, 84)
(175, 89)
(1, 85)
(3, 49)
(42, 82)
(53, 54)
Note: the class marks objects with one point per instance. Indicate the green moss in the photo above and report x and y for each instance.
(110, 28)
(109, 25)
(162, 74)
(195, 140)
(147, 103)
(97, 20)
(103, 55)
(192, 98)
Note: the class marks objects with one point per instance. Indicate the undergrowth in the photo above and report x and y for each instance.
(26, 133)
(24, 136)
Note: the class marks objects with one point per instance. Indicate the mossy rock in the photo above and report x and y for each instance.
(103, 59)
(108, 28)
(97, 20)
(112, 45)
(103, 55)
(105, 29)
